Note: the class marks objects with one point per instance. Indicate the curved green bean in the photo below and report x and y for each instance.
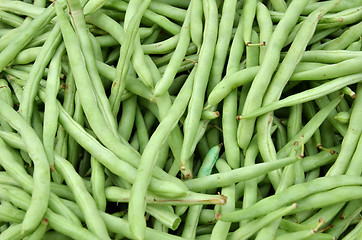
(41, 176)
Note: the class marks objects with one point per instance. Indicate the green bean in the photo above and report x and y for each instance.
(349, 36)
(229, 123)
(90, 61)
(41, 168)
(128, 115)
(168, 11)
(160, 20)
(133, 84)
(355, 233)
(125, 54)
(196, 25)
(108, 158)
(82, 197)
(249, 11)
(263, 77)
(308, 95)
(269, 231)
(5, 95)
(292, 194)
(107, 41)
(73, 146)
(250, 186)
(199, 88)
(355, 166)
(266, 27)
(12, 232)
(304, 234)
(308, 130)
(350, 140)
(279, 5)
(11, 214)
(335, 196)
(342, 16)
(97, 121)
(139, 187)
(328, 56)
(294, 122)
(344, 4)
(165, 215)
(236, 175)
(294, 126)
(9, 36)
(6, 179)
(322, 102)
(340, 223)
(119, 225)
(320, 35)
(193, 214)
(98, 182)
(162, 47)
(11, 19)
(20, 175)
(92, 6)
(209, 115)
(26, 56)
(278, 82)
(36, 123)
(116, 194)
(31, 87)
(225, 31)
(221, 229)
(250, 228)
(330, 71)
(50, 112)
(21, 8)
(40, 231)
(164, 103)
(355, 46)
(322, 158)
(142, 134)
(170, 72)
(229, 83)
(159, 61)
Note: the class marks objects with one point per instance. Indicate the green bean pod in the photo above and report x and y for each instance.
(292, 194)
(41, 176)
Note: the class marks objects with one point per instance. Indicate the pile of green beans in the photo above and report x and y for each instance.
(180, 119)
